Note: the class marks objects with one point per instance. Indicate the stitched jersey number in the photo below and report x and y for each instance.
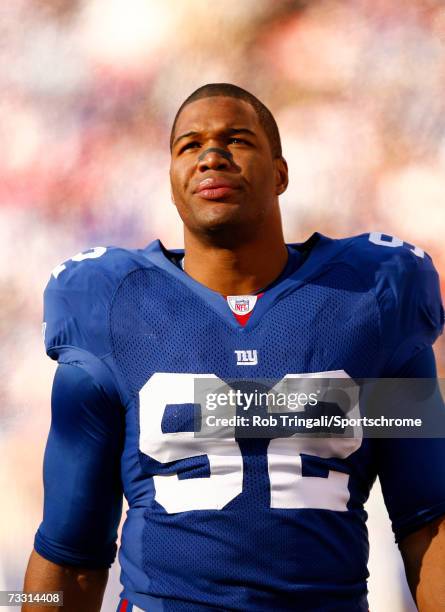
(376, 238)
(93, 253)
(289, 488)
(224, 455)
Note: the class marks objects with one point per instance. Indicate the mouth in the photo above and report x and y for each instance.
(215, 189)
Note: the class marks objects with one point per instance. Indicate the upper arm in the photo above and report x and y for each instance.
(414, 546)
(412, 469)
(82, 484)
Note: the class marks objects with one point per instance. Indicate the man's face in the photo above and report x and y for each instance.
(223, 176)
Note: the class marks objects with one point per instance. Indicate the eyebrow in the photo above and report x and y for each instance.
(229, 132)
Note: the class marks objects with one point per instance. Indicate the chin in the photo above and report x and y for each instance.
(227, 232)
(219, 219)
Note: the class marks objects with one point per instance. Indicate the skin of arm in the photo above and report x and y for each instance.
(83, 589)
(423, 554)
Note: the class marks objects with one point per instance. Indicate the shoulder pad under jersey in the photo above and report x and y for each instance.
(78, 296)
(406, 286)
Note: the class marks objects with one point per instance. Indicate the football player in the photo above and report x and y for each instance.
(231, 522)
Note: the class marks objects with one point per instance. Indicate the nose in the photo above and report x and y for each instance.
(214, 158)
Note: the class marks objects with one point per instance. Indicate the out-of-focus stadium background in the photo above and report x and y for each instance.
(89, 91)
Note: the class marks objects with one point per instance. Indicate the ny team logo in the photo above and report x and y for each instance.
(248, 357)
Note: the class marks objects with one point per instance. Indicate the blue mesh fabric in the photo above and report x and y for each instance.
(160, 325)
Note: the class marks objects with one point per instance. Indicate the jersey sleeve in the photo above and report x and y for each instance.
(407, 291)
(412, 470)
(76, 303)
(412, 311)
(78, 299)
(82, 482)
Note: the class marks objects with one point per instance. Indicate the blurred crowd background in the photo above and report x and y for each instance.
(89, 91)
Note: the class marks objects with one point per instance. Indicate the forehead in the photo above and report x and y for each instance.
(217, 113)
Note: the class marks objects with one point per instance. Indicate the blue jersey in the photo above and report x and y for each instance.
(230, 524)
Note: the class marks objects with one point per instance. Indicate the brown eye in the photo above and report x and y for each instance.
(190, 145)
(236, 140)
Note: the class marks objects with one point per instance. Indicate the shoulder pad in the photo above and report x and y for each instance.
(406, 286)
(77, 299)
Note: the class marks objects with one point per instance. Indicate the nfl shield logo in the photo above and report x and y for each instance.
(242, 305)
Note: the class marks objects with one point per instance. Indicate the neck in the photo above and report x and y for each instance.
(240, 269)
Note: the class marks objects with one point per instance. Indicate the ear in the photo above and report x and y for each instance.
(281, 175)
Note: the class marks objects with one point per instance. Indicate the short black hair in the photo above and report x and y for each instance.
(229, 90)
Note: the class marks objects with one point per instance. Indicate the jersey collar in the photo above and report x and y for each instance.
(315, 251)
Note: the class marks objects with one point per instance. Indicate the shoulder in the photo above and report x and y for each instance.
(78, 296)
(381, 261)
(378, 251)
(394, 268)
(406, 285)
(104, 263)
(378, 261)
(399, 277)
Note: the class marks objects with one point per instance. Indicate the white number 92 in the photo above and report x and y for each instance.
(289, 488)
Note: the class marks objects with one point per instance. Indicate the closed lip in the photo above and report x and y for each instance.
(215, 183)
